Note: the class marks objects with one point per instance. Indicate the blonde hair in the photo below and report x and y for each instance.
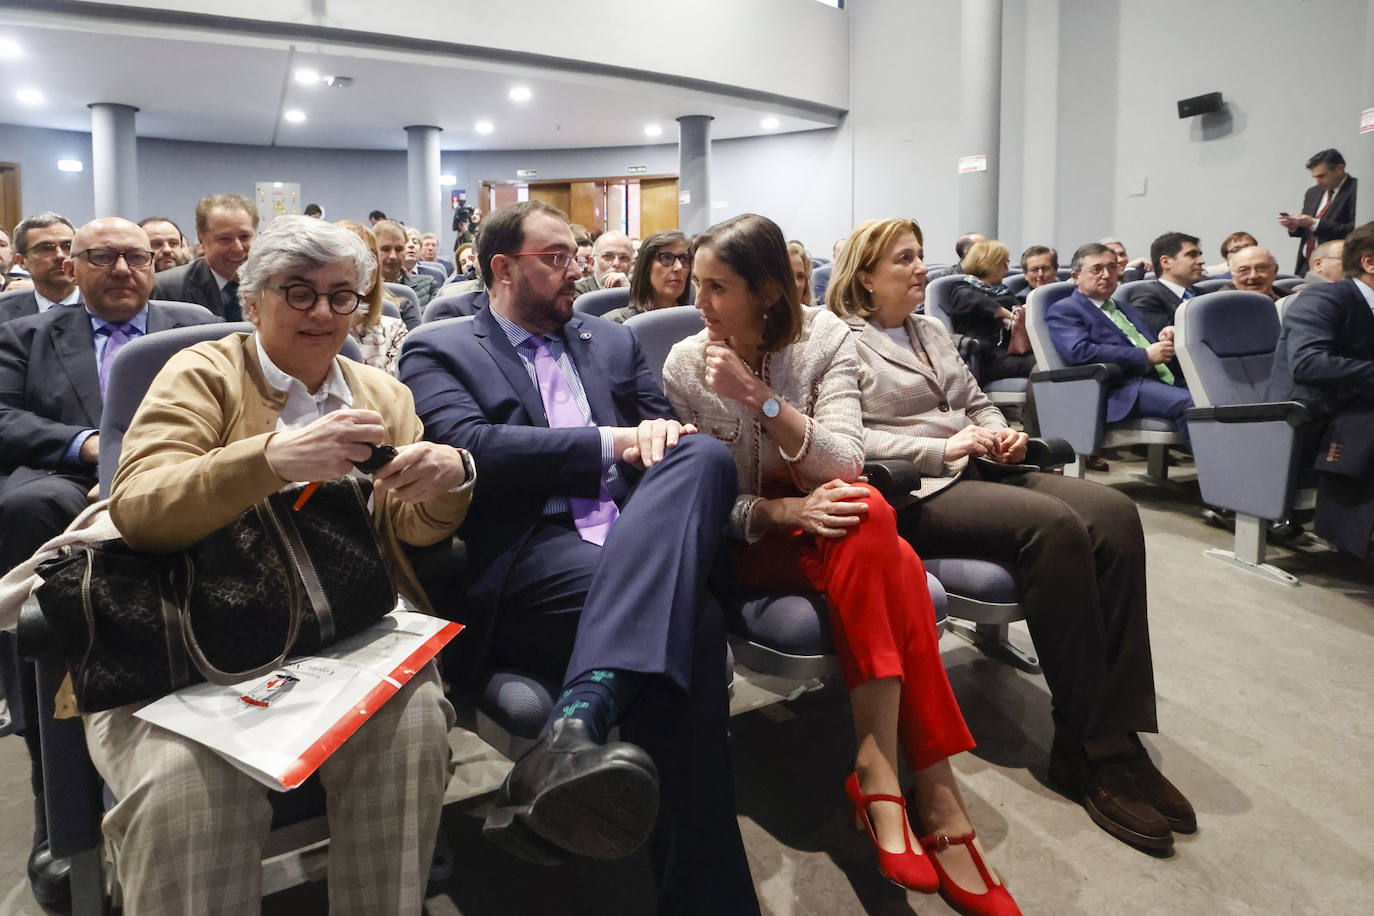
(377, 293)
(985, 257)
(798, 249)
(846, 295)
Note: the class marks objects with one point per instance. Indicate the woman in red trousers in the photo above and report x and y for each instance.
(779, 385)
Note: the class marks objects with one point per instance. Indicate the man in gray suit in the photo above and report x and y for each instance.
(54, 368)
(42, 244)
(226, 225)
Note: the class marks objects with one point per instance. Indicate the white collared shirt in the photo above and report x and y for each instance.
(303, 408)
(1172, 287)
(220, 281)
(44, 303)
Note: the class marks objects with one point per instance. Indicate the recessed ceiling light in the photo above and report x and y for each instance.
(29, 96)
(70, 165)
(652, 130)
(484, 127)
(307, 76)
(520, 94)
(770, 123)
(294, 115)
(448, 181)
(10, 48)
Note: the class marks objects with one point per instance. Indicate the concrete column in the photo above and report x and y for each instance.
(694, 173)
(424, 210)
(114, 160)
(1361, 164)
(980, 112)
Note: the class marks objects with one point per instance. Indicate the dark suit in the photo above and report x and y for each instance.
(541, 599)
(468, 303)
(1336, 223)
(17, 304)
(193, 282)
(1156, 303)
(586, 285)
(1083, 334)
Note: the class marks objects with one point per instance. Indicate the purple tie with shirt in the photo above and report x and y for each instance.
(121, 332)
(593, 517)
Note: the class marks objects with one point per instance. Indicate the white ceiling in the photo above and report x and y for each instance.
(233, 89)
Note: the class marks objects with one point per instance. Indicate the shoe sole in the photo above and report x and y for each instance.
(605, 814)
(1123, 833)
(505, 830)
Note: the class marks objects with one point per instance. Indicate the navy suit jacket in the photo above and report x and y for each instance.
(1338, 222)
(1156, 303)
(18, 303)
(193, 282)
(49, 386)
(1083, 334)
(473, 392)
(1325, 354)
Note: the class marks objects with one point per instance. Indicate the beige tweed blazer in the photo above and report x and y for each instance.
(910, 408)
(817, 375)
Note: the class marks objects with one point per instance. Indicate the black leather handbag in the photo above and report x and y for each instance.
(135, 626)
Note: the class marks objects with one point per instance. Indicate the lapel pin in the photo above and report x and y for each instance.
(586, 335)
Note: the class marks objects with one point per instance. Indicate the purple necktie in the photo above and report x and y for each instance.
(593, 517)
(120, 333)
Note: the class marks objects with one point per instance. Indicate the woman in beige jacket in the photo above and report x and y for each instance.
(777, 384)
(1076, 547)
(224, 425)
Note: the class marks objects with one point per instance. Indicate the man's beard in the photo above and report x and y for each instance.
(540, 309)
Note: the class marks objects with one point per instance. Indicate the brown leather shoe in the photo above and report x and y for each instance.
(1159, 792)
(1113, 800)
(1096, 463)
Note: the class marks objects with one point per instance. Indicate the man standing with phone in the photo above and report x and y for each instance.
(1328, 207)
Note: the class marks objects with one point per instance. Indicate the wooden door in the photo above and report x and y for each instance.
(11, 205)
(588, 206)
(555, 195)
(503, 195)
(657, 205)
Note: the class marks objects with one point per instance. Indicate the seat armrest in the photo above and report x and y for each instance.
(34, 636)
(894, 478)
(1101, 372)
(1049, 453)
(1291, 412)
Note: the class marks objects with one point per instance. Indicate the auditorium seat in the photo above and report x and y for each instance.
(1245, 447)
(820, 282)
(1071, 401)
(432, 269)
(1015, 283)
(600, 301)
(1286, 285)
(446, 264)
(1202, 287)
(410, 303)
(455, 305)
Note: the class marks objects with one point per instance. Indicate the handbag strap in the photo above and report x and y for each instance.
(304, 567)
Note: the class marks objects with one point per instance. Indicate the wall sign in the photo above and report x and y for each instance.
(977, 163)
(1367, 121)
(637, 169)
(526, 173)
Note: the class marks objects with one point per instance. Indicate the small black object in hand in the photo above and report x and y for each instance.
(381, 456)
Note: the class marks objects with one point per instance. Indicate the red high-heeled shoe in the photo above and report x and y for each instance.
(908, 868)
(995, 901)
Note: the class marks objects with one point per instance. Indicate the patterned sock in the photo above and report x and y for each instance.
(598, 697)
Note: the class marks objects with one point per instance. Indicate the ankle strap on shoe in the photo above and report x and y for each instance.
(941, 841)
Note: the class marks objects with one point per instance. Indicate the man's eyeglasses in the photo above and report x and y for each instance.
(48, 248)
(136, 258)
(666, 259)
(303, 297)
(616, 257)
(1100, 270)
(559, 259)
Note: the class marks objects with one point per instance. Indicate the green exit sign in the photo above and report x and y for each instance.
(637, 169)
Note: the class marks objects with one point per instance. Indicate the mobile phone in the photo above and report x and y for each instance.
(381, 456)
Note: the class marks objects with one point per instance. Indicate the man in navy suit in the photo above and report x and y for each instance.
(1177, 260)
(590, 538)
(53, 367)
(1088, 327)
(226, 225)
(1328, 207)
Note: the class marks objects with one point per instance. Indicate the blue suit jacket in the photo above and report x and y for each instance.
(1082, 335)
(472, 391)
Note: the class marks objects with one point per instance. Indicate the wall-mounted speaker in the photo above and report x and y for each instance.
(1199, 105)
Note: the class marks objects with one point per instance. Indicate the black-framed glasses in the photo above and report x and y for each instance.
(47, 248)
(559, 259)
(136, 258)
(302, 297)
(666, 259)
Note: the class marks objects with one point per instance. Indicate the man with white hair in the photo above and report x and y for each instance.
(612, 257)
(1254, 269)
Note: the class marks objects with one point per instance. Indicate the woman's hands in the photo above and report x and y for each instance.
(830, 510)
(326, 448)
(1005, 446)
(420, 471)
(729, 377)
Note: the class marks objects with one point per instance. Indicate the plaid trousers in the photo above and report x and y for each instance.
(188, 829)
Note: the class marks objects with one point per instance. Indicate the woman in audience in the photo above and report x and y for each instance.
(982, 308)
(801, 271)
(661, 273)
(465, 259)
(379, 335)
(778, 384)
(1076, 547)
(224, 425)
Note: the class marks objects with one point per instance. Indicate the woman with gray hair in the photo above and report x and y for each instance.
(225, 424)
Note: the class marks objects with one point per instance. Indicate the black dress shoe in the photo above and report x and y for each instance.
(50, 878)
(594, 800)
(1108, 790)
